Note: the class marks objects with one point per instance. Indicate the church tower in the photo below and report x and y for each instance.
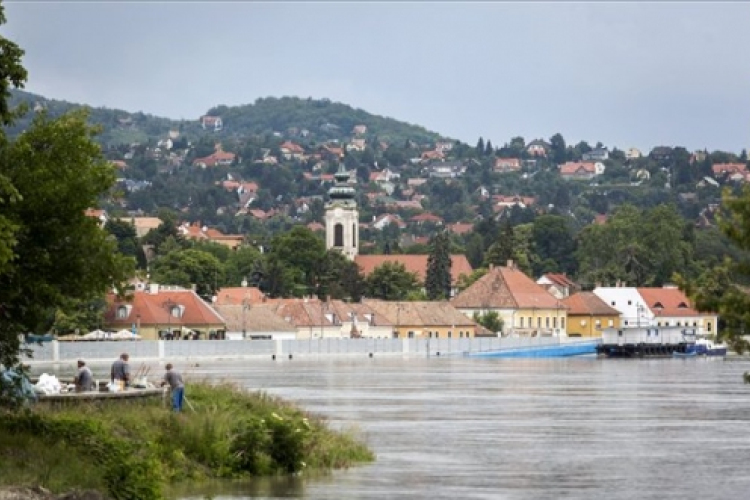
(342, 216)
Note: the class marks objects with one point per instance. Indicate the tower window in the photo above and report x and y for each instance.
(338, 235)
(354, 235)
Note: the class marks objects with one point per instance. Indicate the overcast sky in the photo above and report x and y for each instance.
(625, 74)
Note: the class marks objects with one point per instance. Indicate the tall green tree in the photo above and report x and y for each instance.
(60, 254)
(391, 281)
(438, 277)
(722, 289)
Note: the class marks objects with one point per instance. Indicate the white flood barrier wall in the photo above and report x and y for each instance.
(93, 351)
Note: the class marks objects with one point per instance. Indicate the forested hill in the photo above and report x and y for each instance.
(317, 119)
(320, 117)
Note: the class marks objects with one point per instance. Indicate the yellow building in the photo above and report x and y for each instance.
(525, 307)
(588, 315)
(424, 319)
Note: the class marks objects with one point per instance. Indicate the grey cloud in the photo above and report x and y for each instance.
(638, 74)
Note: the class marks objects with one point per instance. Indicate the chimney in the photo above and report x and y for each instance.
(153, 288)
(510, 264)
(492, 266)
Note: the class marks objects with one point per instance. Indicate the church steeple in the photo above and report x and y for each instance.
(342, 216)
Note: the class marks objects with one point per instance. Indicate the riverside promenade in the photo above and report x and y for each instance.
(56, 352)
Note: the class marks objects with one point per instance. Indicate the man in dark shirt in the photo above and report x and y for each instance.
(121, 371)
(174, 379)
(84, 380)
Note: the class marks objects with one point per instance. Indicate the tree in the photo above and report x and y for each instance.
(480, 147)
(188, 268)
(127, 240)
(490, 320)
(438, 278)
(558, 148)
(391, 281)
(60, 254)
(721, 289)
(503, 249)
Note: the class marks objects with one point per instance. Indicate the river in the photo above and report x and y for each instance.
(464, 428)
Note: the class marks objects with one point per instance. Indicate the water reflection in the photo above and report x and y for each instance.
(455, 428)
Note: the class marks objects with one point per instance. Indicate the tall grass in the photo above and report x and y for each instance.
(133, 450)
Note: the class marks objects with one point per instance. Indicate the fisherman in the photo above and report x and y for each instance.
(84, 380)
(120, 373)
(174, 379)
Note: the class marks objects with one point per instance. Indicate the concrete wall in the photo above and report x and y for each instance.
(154, 350)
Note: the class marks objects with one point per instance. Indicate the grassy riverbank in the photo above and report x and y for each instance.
(135, 450)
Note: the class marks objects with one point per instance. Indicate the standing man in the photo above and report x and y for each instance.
(120, 374)
(174, 379)
(84, 380)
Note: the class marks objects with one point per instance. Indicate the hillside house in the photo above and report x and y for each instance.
(728, 169)
(384, 220)
(219, 158)
(504, 165)
(596, 154)
(213, 123)
(633, 154)
(445, 170)
(538, 148)
(580, 170)
(291, 151)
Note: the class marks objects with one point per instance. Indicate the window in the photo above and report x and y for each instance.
(554, 322)
(598, 323)
(521, 322)
(613, 303)
(708, 326)
(450, 334)
(176, 311)
(539, 322)
(546, 322)
(122, 312)
(437, 335)
(626, 322)
(630, 302)
(354, 235)
(562, 322)
(411, 335)
(611, 322)
(583, 322)
(338, 235)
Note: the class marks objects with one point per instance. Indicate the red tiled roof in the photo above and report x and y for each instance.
(729, 168)
(413, 263)
(588, 303)
(426, 217)
(574, 167)
(152, 309)
(673, 302)
(506, 288)
(461, 227)
(236, 295)
(560, 279)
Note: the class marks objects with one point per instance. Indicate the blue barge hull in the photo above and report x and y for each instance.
(553, 351)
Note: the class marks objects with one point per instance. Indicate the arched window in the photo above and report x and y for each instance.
(354, 235)
(338, 235)
(122, 312)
